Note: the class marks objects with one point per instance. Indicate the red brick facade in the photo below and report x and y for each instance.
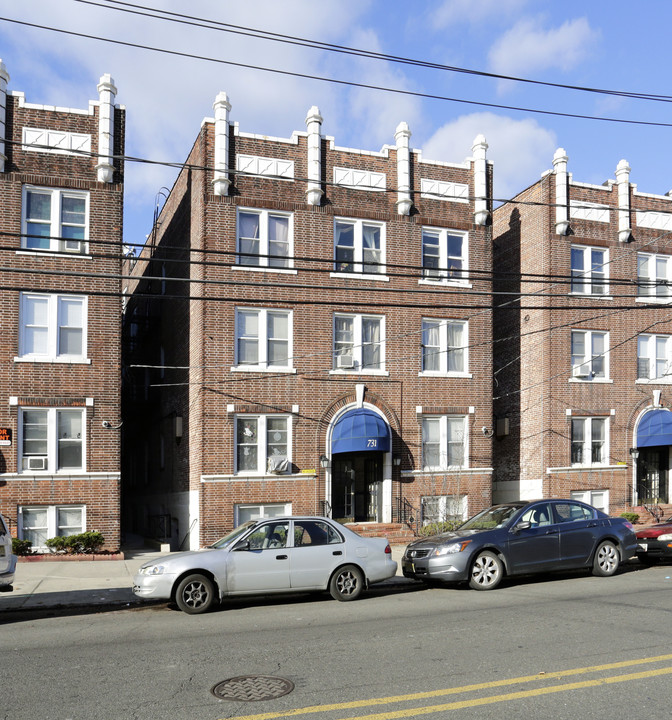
(75, 463)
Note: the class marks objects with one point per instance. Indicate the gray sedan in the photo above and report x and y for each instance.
(279, 555)
(522, 538)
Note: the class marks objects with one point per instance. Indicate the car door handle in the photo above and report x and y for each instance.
(337, 552)
(553, 531)
(281, 557)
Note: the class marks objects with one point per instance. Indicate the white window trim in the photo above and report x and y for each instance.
(443, 350)
(52, 442)
(263, 265)
(586, 496)
(443, 442)
(587, 275)
(358, 249)
(56, 194)
(262, 442)
(287, 510)
(461, 501)
(587, 440)
(262, 365)
(54, 301)
(357, 350)
(443, 257)
(52, 519)
(651, 357)
(653, 298)
(587, 358)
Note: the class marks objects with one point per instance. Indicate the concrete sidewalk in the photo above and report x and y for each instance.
(93, 584)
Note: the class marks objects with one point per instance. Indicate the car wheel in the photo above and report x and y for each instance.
(487, 571)
(606, 560)
(346, 583)
(195, 594)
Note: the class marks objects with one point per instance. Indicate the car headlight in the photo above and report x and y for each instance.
(453, 548)
(665, 538)
(152, 570)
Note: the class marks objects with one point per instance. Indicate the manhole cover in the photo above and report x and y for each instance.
(250, 688)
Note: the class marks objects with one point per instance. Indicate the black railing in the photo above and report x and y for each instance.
(655, 510)
(408, 515)
(325, 508)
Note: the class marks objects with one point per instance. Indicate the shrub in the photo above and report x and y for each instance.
(438, 527)
(87, 542)
(632, 517)
(22, 547)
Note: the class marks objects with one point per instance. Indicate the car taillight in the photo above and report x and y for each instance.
(629, 525)
(388, 549)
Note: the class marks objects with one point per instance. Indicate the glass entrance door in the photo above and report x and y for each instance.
(356, 486)
(652, 475)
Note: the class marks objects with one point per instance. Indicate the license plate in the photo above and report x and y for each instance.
(643, 547)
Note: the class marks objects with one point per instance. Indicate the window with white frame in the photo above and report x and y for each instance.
(262, 443)
(55, 219)
(590, 442)
(52, 439)
(444, 255)
(39, 523)
(444, 346)
(265, 239)
(359, 342)
(444, 441)
(243, 513)
(654, 355)
(263, 338)
(597, 498)
(654, 276)
(52, 326)
(589, 270)
(359, 246)
(443, 508)
(589, 355)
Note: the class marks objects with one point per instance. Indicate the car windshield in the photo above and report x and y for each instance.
(494, 517)
(234, 535)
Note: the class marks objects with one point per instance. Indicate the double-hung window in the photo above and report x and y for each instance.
(52, 440)
(263, 339)
(444, 255)
(55, 219)
(589, 441)
(589, 355)
(359, 342)
(359, 246)
(52, 327)
(444, 439)
(654, 277)
(265, 239)
(263, 443)
(654, 357)
(589, 270)
(444, 346)
(42, 522)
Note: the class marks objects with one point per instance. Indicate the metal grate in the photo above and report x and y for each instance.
(252, 688)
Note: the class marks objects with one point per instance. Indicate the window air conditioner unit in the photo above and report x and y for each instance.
(277, 465)
(35, 462)
(581, 371)
(73, 246)
(345, 361)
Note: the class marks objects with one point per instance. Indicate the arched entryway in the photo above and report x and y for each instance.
(654, 440)
(360, 474)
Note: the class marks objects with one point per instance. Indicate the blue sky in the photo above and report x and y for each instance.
(616, 45)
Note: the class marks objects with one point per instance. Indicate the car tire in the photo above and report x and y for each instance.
(195, 594)
(487, 571)
(346, 583)
(606, 559)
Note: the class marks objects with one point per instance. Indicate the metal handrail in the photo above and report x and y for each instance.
(408, 515)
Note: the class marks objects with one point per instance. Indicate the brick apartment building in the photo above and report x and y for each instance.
(582, 362)
(61, 193)
(309, 330)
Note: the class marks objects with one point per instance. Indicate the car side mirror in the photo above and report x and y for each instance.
(243, 545)
(525, 525)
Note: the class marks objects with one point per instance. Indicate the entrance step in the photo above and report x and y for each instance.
(646, 516)
(396, 533)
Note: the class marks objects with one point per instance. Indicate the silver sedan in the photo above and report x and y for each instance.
(278, 555)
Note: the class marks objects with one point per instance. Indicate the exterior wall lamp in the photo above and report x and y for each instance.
(634, 452)
(324, 461)
(396, 460)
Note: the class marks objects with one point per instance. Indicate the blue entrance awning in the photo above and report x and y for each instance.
(360, 430)
(655, 428)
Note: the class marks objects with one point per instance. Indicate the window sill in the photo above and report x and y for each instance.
(53, 360)
(264, 268)
(253, 477)
(260, 369)
(654, 300)
(591, 381)
(653, 381)
(54, 253)
(584, 468)
(359, 276)
(592, 296)
(434, 374)
(446, 283)
(380, 373)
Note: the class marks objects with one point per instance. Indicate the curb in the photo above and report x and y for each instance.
(80, 557)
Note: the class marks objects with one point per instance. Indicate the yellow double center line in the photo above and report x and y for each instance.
(488, 700)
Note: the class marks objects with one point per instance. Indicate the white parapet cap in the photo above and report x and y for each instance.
(89, 402)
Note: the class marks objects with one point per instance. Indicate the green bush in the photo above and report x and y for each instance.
(22, 547)
(632, 517)
(438, 527)
(87, 542)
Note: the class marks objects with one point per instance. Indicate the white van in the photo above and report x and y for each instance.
(7, 557)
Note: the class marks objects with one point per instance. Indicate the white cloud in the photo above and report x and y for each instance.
(528, 48)
(520, 149)
(454, 12)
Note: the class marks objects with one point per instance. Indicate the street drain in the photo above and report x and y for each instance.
(251, 688)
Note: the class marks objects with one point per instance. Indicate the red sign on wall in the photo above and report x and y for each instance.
(5, 436)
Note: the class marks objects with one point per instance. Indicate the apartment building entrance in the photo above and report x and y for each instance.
(652, 474)
(356, 487)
